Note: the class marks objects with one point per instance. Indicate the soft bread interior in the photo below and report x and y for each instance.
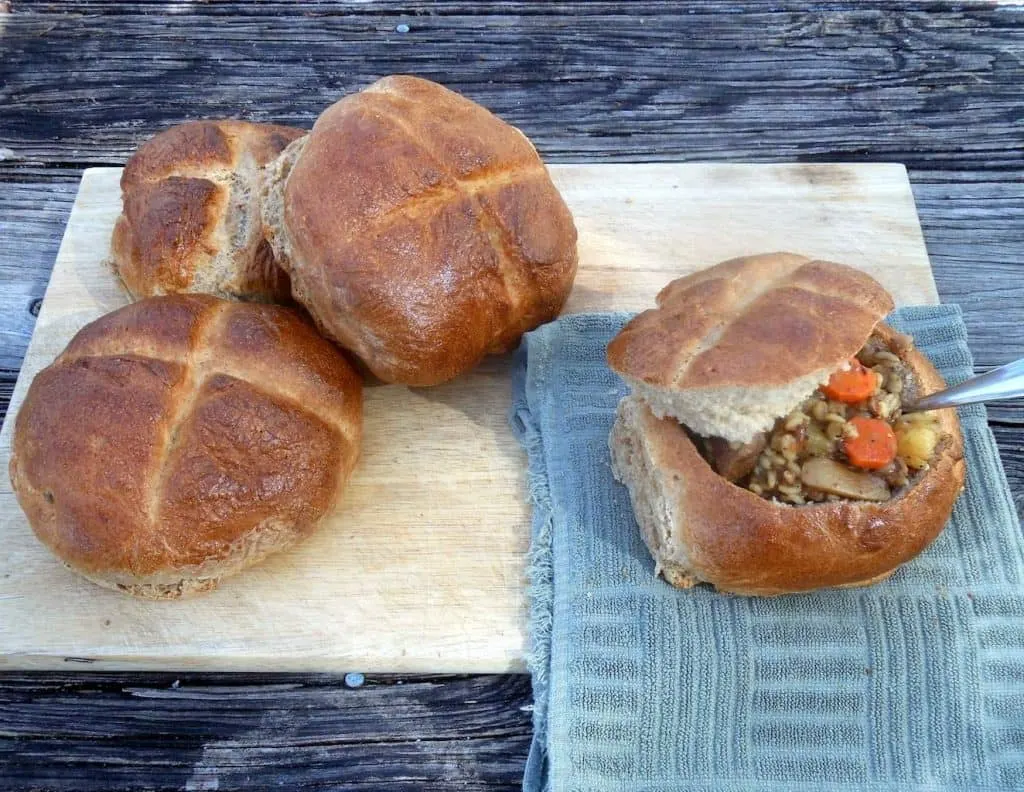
(631, 465)
(272, 186)
(737, 414)
(236, 237)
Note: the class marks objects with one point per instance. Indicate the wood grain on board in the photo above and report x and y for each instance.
(422, 567)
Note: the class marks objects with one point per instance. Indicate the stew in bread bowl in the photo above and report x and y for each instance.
(838, 489)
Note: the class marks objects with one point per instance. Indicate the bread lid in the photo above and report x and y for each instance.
(732, 348)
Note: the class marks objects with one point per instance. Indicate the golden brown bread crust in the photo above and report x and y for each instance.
(421, 231)
(189, 220)
(759, 321)
(180, 439)
(742, 543)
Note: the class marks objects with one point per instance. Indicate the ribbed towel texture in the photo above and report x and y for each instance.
(913, 684)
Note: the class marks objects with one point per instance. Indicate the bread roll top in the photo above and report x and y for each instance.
(731, 348)
(755, 321)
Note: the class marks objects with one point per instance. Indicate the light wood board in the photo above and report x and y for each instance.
(422, 569)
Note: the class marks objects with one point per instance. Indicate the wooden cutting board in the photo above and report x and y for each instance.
(422, 569)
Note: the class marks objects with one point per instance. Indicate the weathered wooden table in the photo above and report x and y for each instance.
(935, 86)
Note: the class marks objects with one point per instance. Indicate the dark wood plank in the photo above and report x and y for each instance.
(587, 81)
(777, 83)
(32, 220)
(974, 230)
(1011, 451)
(225, 731)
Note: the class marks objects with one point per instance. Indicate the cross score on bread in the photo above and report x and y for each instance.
(419, 230)
(180, 439)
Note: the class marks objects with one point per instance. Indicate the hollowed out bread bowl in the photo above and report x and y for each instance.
(181, 439)
(702, 527)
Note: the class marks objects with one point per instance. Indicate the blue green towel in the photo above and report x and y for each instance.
(913, 684)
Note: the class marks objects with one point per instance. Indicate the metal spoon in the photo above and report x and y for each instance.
(1005, 382)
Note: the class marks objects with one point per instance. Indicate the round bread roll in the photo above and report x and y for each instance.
(181, 439)
(420, 231)
(191, 220)
(700, 527)
(731, 348)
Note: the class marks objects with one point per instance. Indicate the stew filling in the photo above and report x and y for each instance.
(848, 441)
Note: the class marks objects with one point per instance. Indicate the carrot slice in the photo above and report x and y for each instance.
(851, 386)
(874, 447)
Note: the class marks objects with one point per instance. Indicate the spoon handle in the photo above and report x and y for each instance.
(1005, 382)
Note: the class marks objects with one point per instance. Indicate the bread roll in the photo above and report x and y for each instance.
(419, 230)
(733, 347)
(191, 220)
(700, 527)
(180, 439)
